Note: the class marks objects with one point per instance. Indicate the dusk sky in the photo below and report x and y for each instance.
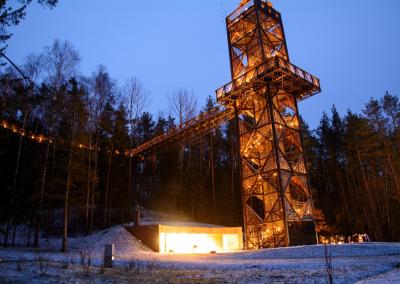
(352, 46)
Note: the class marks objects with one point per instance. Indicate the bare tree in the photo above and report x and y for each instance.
(136, 100)
(182, 104)
(60, 63)
(33, 67)
(57, 64)
(101, 88)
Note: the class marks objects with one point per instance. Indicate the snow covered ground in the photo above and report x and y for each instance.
(135, 263)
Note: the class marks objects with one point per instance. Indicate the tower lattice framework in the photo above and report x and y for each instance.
(263, 94)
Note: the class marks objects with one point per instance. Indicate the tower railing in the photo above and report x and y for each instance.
(262, 70)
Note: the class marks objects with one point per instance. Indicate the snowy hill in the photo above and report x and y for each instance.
(135, 263)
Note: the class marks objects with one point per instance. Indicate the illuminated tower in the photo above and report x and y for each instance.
(263, 93)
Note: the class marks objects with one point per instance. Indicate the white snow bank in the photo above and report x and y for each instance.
(126, 247)
(306, 264)
(392, 276)
(125, 242)
(344, 250)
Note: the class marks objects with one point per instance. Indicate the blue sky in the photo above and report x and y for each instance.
(352, 46)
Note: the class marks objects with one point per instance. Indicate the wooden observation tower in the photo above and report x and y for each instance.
(262, 97)
(264, 92)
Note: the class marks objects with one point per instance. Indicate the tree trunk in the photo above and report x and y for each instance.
(130, 170)
(109, 207)
(392, 168)
(42, 189)
(181, 150)
(189, 190)
(88, 186)
(368, 208)
(28, 243)
(94, 183)
(213, 178)
(343, 195)
(14, 187)
(64, 243)
(107, 186)
(14, 233)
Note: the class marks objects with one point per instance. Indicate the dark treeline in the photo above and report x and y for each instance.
(354, 167)
(82, 181)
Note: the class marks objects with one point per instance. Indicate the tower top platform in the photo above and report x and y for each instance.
(259, 54)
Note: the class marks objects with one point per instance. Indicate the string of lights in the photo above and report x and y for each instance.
(41, 138)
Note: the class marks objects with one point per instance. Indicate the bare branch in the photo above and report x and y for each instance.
(182, 104)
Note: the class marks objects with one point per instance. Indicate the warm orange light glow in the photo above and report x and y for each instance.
(198, 243)
(244, 2)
